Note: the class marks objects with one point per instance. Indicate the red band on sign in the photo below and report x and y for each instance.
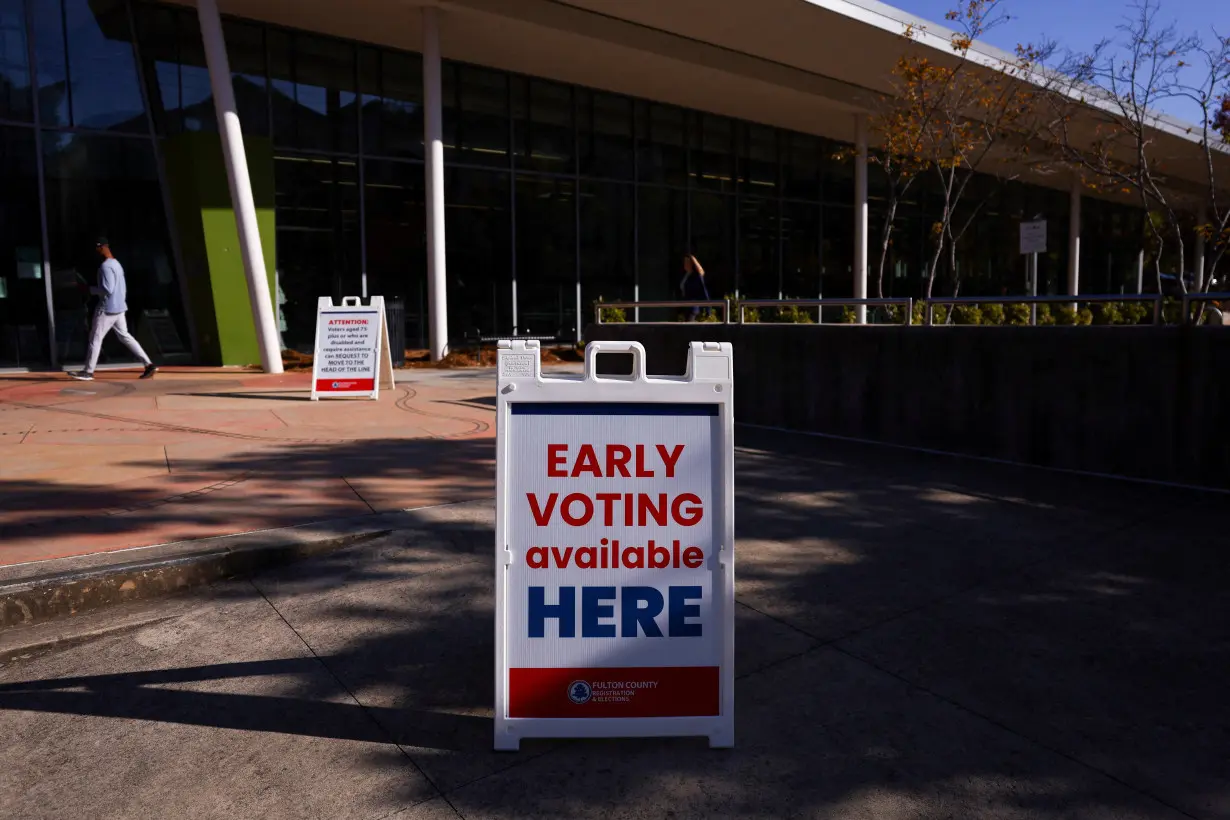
(642, 691)
(345, 385)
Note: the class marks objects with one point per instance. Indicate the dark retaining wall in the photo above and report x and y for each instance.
(1140, 401)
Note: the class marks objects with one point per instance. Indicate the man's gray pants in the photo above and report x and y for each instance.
(104, 322)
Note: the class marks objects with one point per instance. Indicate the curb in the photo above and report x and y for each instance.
(55, 595)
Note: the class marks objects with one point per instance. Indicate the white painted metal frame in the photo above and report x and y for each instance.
(709, 380)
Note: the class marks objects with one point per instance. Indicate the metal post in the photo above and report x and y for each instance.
(240, 186)
(433, 144)
(860, 217)
(1198, 265)
(1140, 271)
(1033, 288)
(1074, 241)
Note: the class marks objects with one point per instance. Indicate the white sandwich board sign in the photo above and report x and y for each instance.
(352, 356)
(614, 548)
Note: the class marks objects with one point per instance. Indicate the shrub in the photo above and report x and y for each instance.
(1045, 315)
(1084, 316)
(1107, 313)
(1135, 313)
(707, 315)
(793, 314)
(967, 315)
(1019, 314)
(993, 314)
(895, 313)
(612, 315)
(751, 315)
(1065, 315)
(848, 315)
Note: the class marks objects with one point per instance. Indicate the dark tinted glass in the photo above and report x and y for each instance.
(392, 88)
(661, 146)
(51, 62)
(759, 275)
(662, 232)
(546, 256)
(478, 118)
(15, 102)
(607, 244)
(245, 49)
(100, 185)
(105, 90)
(837, 258)
(23, 302)
(713, 241)
(800, 250)
(542, 117)
(604, 122)
(317, 213)
(713, 152)
(758, 166)
(801, 166)
(479, 252)
(396, 246)
(324, 72)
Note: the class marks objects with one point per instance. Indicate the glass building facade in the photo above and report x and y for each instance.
(556, 195)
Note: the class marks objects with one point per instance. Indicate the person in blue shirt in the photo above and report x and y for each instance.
(692, 286)
(112, 291)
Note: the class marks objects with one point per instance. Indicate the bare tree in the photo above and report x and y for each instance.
(1117, 88)
(1211, 95)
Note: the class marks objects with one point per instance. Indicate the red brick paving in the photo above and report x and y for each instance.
(117, 463)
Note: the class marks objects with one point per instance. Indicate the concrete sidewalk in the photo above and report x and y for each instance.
(119, 463)
(916, 637)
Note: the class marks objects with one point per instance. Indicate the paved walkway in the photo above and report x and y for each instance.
(916, 637)
(116, 463)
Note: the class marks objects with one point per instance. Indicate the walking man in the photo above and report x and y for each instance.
(112, 291)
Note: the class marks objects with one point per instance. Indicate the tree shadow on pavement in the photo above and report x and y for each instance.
(916, 637)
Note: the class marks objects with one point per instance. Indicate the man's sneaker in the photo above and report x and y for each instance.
(150, 370)
(82, 376)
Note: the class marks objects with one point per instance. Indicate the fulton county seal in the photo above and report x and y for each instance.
(579, 692)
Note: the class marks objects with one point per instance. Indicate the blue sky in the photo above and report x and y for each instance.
(1080, 24)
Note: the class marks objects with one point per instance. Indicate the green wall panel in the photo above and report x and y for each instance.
(210, 241)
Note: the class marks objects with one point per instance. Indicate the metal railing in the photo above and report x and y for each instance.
(1200, 298)
(820, 304)
(1034, 301)
(705, 304)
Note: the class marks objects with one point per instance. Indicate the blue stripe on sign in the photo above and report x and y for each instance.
(536, 408)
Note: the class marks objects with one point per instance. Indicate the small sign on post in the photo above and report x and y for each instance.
(614, 549)
(1033, 236)
(352, 356)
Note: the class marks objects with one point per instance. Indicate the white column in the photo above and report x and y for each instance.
(1074, 240)
(433, 146)
(1198, 267)
(860, 216)
(240, 186)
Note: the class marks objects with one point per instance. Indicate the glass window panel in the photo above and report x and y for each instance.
(546, 256)
(607, 244)
(106, 92)
(661, 147)
(51, 63)
(801, 167)
(99, 185)
(23, 299)
(325, 94)
(479, 120)
(245, 49)
(542, 114)
(158, 36)
(477, 203)
(837, 259)
(713, 152)
(758, 160)
(15, 101)
(317, 216)
(800, 250)
(396, 239)
(196, 93)
(282, 88)
(838, 173)
(399, 124)
(605, 127)
(759, 275)
(713, 242)
(662, 232)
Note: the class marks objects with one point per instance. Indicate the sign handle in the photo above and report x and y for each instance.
(593, 349)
